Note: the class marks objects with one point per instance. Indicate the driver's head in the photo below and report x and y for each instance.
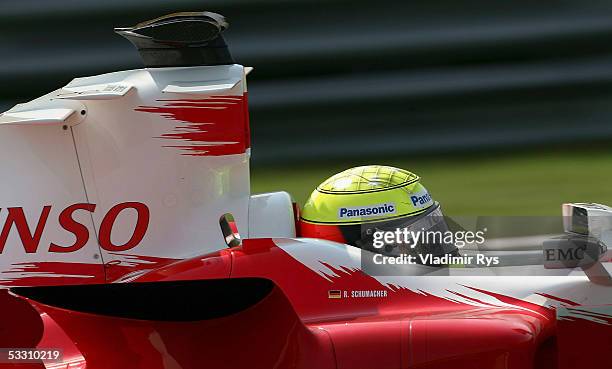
(351, 206)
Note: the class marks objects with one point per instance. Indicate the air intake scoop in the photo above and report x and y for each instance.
(181, 40)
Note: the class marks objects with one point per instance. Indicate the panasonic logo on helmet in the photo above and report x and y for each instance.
(367, 211)
(420, 199)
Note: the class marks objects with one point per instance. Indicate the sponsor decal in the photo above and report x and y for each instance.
(420, 200)
(366, 211)
(571, 251)
(30, 241)
(565, 255)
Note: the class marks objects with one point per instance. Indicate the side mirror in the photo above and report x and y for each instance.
(594, 220)
(229, 230)
(588, 231)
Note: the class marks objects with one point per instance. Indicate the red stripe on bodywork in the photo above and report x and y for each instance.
(546, 312)
(66, 273)
(53, 273)
(214, 126)
(124, 264)
(559, 299)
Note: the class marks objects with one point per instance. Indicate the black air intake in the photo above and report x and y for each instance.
(162, 301)
(181, 40)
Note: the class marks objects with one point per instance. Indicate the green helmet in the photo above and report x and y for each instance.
(349, 206)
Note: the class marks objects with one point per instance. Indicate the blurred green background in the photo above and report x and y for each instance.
(506, 183)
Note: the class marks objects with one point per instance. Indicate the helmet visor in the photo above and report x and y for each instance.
(425, 233)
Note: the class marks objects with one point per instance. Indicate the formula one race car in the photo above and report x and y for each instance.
(121, 201)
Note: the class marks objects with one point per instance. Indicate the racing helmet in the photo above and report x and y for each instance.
(351, 206)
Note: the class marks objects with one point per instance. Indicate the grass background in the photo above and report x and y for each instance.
(525, 184)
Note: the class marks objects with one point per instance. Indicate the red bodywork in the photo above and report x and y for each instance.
(307, 321)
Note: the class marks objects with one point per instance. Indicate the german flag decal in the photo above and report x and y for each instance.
(334, 294)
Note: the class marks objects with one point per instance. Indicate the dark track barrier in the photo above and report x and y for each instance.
(341, 79)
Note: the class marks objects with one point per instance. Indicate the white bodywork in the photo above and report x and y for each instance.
(95, 142)
(271, 215)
